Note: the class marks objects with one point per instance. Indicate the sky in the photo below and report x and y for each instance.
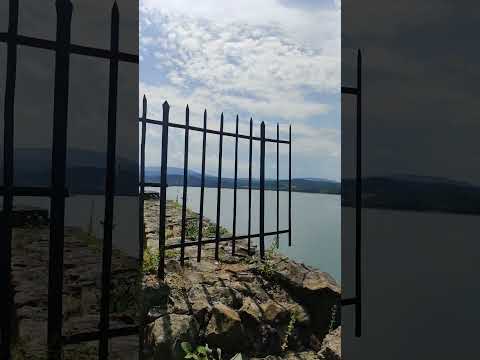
(276, 61)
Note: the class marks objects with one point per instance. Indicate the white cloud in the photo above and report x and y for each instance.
(255, 58)
(242, 67)
(313, 28)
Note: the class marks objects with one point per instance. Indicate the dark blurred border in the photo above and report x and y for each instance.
(417, 262)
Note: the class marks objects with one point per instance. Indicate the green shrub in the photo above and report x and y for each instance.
(267, 267)
(333, 318)
(204, 353)
(151, 258)
(290, 328)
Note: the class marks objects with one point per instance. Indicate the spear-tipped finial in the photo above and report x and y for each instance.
(115, 11)
(144, 103)
(205, 113)
(188, 109)
(165, 103)
(221, 117)
(61, 3)
(64, 5)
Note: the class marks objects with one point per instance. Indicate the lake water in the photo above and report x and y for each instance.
(315, 221)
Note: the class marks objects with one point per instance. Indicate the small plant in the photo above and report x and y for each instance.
(199, 353)
(333, 318)
(277, 242)
(151, 259)
(204, 353)
(211, 230)
(191, 230)
(290, 328)
(267, 267)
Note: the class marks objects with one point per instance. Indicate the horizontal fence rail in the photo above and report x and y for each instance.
(57, 192)
(216, 132)
(357, 300)
(162, 184)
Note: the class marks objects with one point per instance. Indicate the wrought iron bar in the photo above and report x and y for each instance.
(213, 131)
(235, 190)
(202, 189)
(290, 185)
(142, 182)
(219, 190)
(226, 239)
(94, 335)
(278, 183)
(59, 157)
(358, 203)
(74, 49)
(185, 182)
(8, 173)
(262, 191)
(163, 192)
(109, 188)
(250, 142)
(357, 300)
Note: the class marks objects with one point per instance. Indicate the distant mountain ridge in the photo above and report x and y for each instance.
(175, 178)
(85, 171)
(86, 175)
(415, 193)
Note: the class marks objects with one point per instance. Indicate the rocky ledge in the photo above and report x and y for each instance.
(275, 309)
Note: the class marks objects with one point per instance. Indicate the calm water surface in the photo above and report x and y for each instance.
(315, 221)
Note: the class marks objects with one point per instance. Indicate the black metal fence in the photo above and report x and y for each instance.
(163, 186)
(63, 48)
(357, 300)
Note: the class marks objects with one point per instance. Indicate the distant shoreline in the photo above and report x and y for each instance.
(255, 188)
(318, 186)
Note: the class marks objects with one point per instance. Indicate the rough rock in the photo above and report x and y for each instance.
(317, 291)
(166, 334)
(250, 312)
(237, 306)
(332, 346)
(154, 296)
(81, 293)
(274, 313)
(225, 330)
